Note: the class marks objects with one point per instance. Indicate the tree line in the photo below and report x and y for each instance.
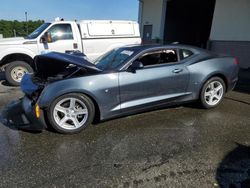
(18, 28)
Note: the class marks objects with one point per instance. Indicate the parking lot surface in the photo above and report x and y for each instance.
(181, 146)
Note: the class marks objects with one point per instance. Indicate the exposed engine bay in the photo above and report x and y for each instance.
(54, 67)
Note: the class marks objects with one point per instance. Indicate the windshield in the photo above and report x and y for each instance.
(38, 31)
(113, 59)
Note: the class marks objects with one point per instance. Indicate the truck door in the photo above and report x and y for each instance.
(63, 39)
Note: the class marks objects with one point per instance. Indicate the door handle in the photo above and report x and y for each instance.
(176, 71)
(75, 45)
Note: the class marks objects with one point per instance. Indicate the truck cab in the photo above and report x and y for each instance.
(90, 37)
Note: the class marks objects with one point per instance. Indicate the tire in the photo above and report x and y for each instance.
(63, 113)
(15, 71)
(212, 92)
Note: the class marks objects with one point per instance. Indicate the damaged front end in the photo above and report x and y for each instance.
(49, 68)
(54, 67)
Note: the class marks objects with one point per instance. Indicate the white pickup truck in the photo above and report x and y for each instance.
(90, 37)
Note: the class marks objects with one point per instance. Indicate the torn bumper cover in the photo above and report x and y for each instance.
(21, 114)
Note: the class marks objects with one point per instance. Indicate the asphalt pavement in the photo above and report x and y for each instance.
(181, 146)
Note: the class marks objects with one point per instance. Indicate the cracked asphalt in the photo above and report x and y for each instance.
(181, 146)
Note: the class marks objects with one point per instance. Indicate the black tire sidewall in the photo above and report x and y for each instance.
(11, 66)
(86, 100)
(202, 96)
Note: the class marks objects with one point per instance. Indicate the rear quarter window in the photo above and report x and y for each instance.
(184, 53)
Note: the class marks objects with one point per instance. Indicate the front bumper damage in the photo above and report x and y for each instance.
(21, 114)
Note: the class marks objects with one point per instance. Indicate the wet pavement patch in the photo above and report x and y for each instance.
(174, 147)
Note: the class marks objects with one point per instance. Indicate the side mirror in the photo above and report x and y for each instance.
(135, 66)
(46, 38)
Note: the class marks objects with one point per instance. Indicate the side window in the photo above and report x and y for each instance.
(184, 53)
(61, 32)
(159, 57)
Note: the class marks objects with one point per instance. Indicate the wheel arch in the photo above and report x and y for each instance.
(202, 99)
(220, 75)
(17, 57)
(97, 116)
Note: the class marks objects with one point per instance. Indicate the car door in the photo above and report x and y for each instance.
(62, 39)
(160, 80)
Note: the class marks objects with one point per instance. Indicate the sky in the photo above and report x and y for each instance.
(48, 10)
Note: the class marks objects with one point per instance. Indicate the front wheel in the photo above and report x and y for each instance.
(15, 71)
(71, 113)
(212, 92)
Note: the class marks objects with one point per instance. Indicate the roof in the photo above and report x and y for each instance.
(106, 21)
(156, 46)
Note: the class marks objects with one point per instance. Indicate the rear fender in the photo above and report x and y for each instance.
(200, 72)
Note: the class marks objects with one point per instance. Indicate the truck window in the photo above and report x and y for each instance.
(61, 32)
(38, 31)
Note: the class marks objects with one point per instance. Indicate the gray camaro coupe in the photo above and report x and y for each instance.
(68, 92)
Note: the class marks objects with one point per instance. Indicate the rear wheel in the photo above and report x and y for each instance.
(71, 113)
(15, 71)
(212, 92)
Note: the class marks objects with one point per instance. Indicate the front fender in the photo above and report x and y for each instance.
(14, 50)
(103, 88)
(57, 89)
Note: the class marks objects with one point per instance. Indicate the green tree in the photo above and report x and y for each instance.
(7, 28)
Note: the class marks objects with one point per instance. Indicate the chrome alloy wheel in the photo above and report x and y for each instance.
(18, 72)
(214, 93)
(70, 113)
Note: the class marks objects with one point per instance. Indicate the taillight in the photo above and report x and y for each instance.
(236, 61)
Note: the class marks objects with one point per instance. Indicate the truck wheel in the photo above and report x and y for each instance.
(15, 71)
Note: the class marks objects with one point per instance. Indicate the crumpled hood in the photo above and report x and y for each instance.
(13, 41)
(53, 63)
